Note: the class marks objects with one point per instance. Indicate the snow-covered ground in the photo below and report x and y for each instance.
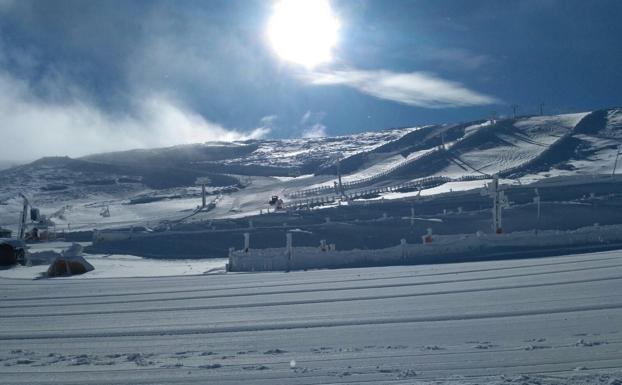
(294, 152)
(544, 321)
(127, 266)
(480, 148)
(118, 266)
(529, 138)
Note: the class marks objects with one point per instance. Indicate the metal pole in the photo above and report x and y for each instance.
(288, 245)
(339, 176)
(615, 164)
(203, 194)
(496, 206)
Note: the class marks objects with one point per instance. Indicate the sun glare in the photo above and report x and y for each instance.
(303, 31)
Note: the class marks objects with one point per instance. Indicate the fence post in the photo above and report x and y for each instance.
(403, 244)
(247, 242)
(289, 250)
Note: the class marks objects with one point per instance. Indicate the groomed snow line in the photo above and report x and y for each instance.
(442, 248)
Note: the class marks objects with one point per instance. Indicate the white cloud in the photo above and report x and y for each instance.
(456, 59)
(305, 118)
(415, 88)
(268, 121)
(31, 127)
(317, 130)
(311, 124)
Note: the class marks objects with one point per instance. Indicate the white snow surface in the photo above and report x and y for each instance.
(118, 266)
(541, 321)
(290, 152)
(614, 123)
(533, 136)
(525, 141)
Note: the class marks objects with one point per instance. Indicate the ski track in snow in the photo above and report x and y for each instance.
(545, 321)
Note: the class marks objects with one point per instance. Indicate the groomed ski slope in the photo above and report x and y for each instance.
(544, 321)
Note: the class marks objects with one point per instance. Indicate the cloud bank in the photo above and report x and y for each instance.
(418, 89)
(111, 85)
(32, 127)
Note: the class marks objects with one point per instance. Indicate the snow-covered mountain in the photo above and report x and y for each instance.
(246, 172)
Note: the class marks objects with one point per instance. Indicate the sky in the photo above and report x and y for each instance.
(80, 77)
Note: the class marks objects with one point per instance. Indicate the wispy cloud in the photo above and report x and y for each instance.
(311, 123)
(317, 130)
(456, 59)
(32, 127)
(141, 87)
(419, 89)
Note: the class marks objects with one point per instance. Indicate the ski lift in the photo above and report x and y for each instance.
(105, 212)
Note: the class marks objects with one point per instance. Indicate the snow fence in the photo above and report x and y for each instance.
(443, 248)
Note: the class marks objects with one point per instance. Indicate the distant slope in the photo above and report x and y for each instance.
(256, 157)
(530, 148)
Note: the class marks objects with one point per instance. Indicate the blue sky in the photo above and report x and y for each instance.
(79, 77)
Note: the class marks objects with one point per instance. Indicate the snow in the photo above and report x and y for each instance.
(544, 321)
(614, 123)
(459, 186)
(472, 129)
(530, 138)
(514, 144)
(443, 248)
(384, 165)
(292, 152)
(554, 124)
(118, 266)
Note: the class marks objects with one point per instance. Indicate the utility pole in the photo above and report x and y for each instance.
(615, 164)
(247, 243)
(499, 201)
(493, 117)
(22, 223)
(514, 108)
(541, 109)
(203, 181)
(536, 200)
(339, 185)
(339, 176)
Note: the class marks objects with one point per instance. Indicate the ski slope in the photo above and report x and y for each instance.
(527, 139)
(148, 187)
(544, 321)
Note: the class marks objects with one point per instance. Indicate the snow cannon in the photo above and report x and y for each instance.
(276, 202)
(427, 238)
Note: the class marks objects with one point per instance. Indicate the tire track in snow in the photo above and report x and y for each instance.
(314, 290)
(319, 376)
(288, 325)
(311, 301)
(296, 283)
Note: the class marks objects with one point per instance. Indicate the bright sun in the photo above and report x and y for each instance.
(303, 31)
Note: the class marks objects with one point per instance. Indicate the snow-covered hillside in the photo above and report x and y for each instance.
(159, 184)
